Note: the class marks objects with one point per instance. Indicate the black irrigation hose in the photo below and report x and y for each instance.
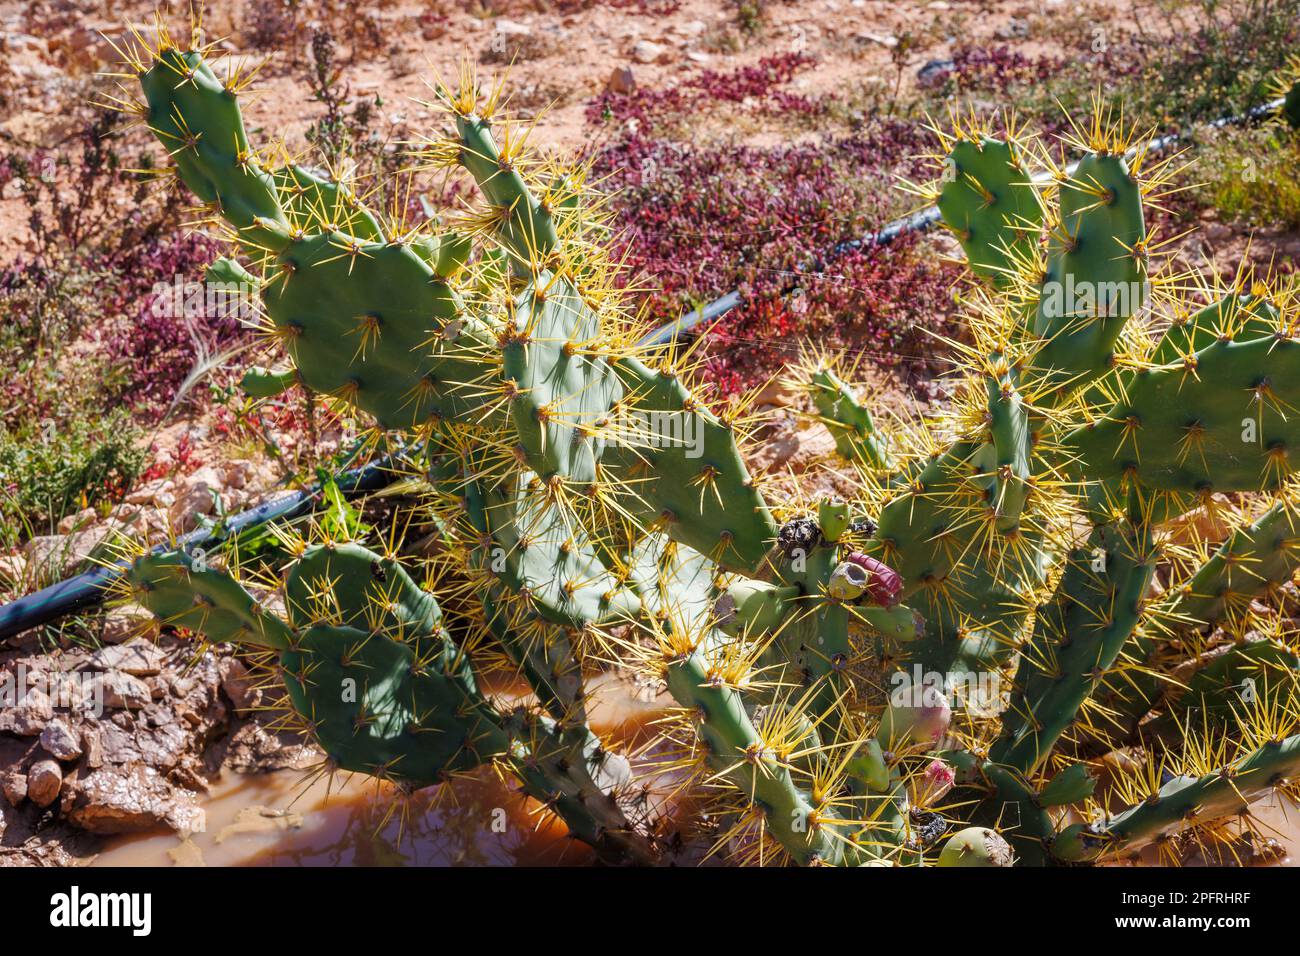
(921, 221)
(87, 590)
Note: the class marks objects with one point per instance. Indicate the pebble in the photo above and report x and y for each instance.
(44, 781)
(61, 740)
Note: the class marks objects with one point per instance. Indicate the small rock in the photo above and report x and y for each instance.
(1016, 28)
(44, 781)
(149, 493)
(29, 716)
(797, 448)
(127, 622)
(239, 472)
(14, 784)
(124, 692)
(934, 71)
(621, 80)
(138, 658)
(1216, 231)
(197, 497)
(239, 686)
(76, 522)
(644, 51)
(109, 801)
(779, 392)
(61, 740)
(695, 56)
(13, 568)
(512, 29)
(260, 820)
(189, 853)
(887, 40)
(57, 555)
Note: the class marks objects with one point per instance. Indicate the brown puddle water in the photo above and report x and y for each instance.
(285, 819)
(274, 820)
(282, 819)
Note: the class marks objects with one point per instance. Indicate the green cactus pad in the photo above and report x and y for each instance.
(1077, 637)
(849, 422)
(1226, 423)
(198, 121)
(1096, 276)
(1184, 799)
(693, 483)
(182, 591)
(989, 203)
(377, 709)
(566, 395)
(547, 557)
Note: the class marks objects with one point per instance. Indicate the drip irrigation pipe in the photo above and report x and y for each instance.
(921, 221)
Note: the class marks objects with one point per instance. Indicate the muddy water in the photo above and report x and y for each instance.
(288, 819)
(274, 820)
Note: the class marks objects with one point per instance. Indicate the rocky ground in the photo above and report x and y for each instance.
(123, 738)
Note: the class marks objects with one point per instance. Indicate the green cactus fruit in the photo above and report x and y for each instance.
(752, 608)
(832, 518)
(976, 847)
(868, 765)
(899, 623)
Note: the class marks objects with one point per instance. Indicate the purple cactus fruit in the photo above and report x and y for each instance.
(883, 583)
(921, 722)
(931, 784)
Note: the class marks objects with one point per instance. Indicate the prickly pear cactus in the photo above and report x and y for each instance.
(1022, 586)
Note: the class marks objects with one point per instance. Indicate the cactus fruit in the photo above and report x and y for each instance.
(976, 847)
(589, 503)
(916, 724)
